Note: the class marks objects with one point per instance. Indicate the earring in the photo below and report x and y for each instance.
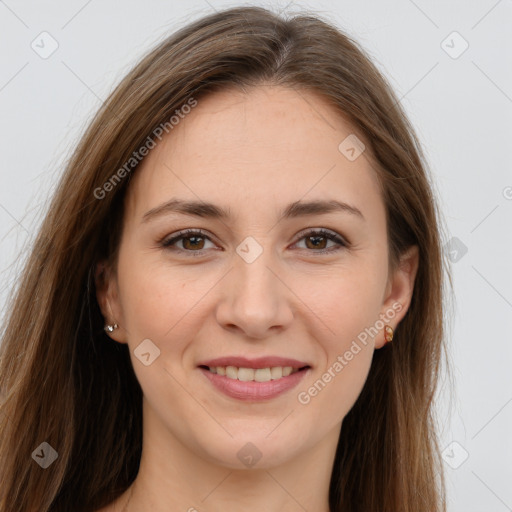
(110, 328)
(388, 333)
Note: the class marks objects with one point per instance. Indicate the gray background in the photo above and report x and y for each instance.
(459, 102)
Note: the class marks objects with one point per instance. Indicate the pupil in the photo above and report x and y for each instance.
(316, 238)
(193, 240)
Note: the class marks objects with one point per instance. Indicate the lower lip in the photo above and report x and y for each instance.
(253, 391)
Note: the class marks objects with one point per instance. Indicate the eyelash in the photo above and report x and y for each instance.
(189, 233)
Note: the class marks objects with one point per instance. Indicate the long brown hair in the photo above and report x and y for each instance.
(63, 382)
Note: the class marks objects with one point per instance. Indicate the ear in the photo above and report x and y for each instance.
(399, 290)
(108, 300)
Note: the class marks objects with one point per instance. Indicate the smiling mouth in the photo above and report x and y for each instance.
(254, 374)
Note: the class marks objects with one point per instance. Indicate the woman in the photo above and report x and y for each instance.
(235, 299)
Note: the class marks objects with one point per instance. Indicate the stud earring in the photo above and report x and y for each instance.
(388, 333)
(110, 328)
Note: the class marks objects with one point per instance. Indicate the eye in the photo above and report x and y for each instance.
(193, 241)
(318, 238)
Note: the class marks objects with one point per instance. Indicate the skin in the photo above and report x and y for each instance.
(255, 153)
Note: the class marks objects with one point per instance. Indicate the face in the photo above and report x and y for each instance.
(271, 284)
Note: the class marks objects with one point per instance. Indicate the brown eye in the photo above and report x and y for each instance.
(317, 240)
(192, 241)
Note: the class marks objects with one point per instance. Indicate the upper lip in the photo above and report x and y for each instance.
(260, 362)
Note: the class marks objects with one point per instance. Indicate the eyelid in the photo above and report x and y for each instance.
(328, 233)
(340, 240)
(184, 233)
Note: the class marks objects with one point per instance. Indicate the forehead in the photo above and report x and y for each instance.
(243, 150)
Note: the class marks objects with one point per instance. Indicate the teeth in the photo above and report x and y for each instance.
(251, 374)
(276, 372)
(245, 374)
(232, 372)
(261, 375)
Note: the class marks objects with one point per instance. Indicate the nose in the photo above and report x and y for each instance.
(255, 299)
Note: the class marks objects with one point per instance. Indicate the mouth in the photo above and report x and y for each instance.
(254, 374)
(258, 380)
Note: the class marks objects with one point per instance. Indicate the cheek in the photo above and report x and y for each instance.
(348, 309)
(144, 297)
(158, 300)
(332, 394)
(347, 350)
(347, 300)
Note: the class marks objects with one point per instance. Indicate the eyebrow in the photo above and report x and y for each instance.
(209, 210)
